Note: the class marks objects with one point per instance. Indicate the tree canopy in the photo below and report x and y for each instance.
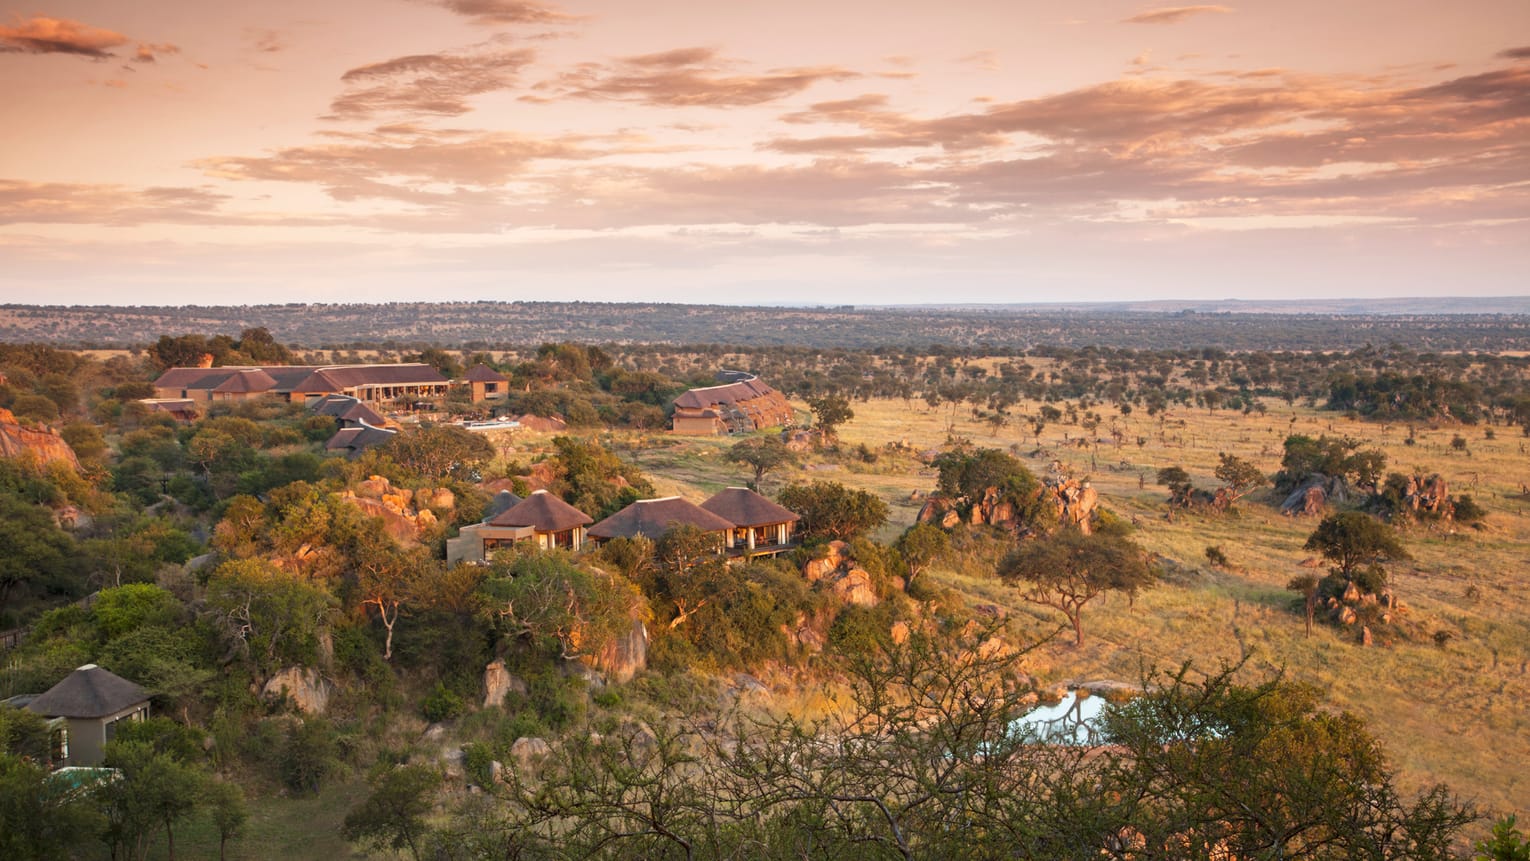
(1067, 570)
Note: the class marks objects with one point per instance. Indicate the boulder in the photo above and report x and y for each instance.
(498, 682)
(855, 587)
(528, 752)
(899, 633)
(836, 554)
(625, 656)
(1365, 635)
(303, 687)
(40, 442)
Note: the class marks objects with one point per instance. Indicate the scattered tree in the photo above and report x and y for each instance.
(393, 815)
(763, 454)
(829, 412)
(920, 545)
(1359, 545)
(1070, 569)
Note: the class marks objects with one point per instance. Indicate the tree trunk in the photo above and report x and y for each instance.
(1078, 628)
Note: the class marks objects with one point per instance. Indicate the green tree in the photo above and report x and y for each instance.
(393, 815)
(829, 412)
(1068, 570)
(37, 553)
(1359, 545)
(920, 545)
(272, 617)
(1506, 844)
(41, 818)
(437, 451)
(555, 603)
(385, 577)
(156, 790)
(829, 510)
(763, 454)
(1239, 475)
(1213, 768)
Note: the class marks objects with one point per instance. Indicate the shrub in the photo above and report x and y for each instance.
(441, 704)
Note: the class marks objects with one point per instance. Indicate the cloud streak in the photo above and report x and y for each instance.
(685, 77)
(427, 84)
(1172, 14)
(493, 12)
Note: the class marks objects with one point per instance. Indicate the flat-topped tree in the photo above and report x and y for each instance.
(1070, 569)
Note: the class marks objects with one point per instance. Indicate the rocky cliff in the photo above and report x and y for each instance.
(37, 441)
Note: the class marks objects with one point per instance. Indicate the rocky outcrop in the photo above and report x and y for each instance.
(40, 442)
(1427, 496)
(498, 682)
(836, 572)
(406, 515)
(303, 687)
(625, 656)
(1314, 495)
(1074, 501)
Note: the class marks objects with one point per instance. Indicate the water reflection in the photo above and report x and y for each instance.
(1071, 721)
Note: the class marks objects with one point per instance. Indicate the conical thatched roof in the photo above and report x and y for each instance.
(654, 517)
(543, 512)
(89, 692)
(743, 507)
(502, 502)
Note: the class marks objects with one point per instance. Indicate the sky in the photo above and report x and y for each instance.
(794, 151)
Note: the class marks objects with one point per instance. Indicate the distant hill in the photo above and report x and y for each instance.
(1418, 324)
(1424, 305)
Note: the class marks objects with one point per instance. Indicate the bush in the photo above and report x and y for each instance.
(441, 704)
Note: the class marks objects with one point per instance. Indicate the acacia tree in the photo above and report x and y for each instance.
(829, 412)
(385, 577)
(763, 454)
(920, 545)
(393, 815)
(1070, 569)
(1240, 476)
(1359, 545)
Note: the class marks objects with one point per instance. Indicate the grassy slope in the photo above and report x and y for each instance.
(1455, 714)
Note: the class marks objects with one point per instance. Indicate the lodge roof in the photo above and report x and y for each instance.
(502, 502)
(481, 373)
(340, 377)
(543, 511)
(654, 517)
(358, 438)
(89, 692)
(743, 507)
(728, 393)
(247, 380)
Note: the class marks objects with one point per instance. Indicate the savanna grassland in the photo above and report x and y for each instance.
(1454, 713)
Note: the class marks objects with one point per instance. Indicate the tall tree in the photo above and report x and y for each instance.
(829, 412)
(1359, 545)
(763, 454)
(1070, 569)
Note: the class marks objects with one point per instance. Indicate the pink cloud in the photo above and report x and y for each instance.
(59, 36)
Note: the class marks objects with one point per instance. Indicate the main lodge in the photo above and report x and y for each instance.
(302, 384)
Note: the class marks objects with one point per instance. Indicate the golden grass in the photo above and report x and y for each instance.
(1455, 714)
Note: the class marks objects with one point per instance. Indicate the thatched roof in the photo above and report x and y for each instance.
(89, 692)
(654, 517)
(743, 507)
(502, 502)
(542, 511)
